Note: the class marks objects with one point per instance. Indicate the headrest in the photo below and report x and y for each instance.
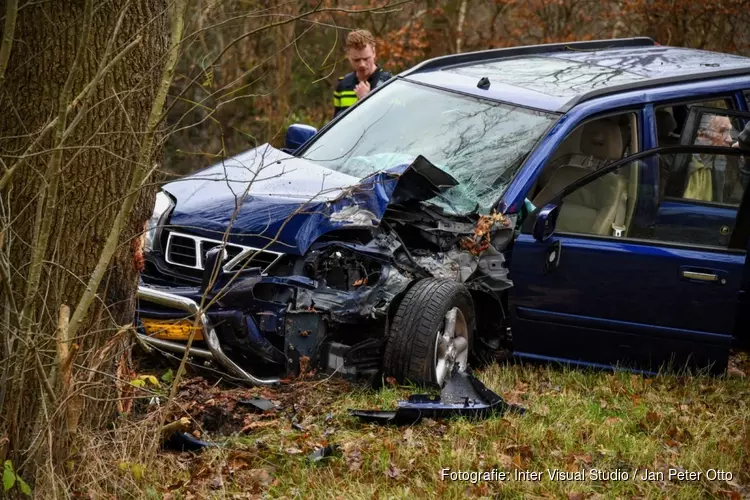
(602, 139)
(665, 123)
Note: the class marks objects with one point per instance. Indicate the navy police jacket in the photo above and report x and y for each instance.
(344, 95)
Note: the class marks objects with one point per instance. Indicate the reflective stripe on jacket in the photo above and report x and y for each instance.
(344, 94)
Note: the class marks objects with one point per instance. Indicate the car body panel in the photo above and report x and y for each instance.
(611, 300)
(269, 199)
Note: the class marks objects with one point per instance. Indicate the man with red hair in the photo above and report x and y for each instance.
(366, 74)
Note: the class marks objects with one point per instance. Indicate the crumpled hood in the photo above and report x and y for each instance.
(268, 197)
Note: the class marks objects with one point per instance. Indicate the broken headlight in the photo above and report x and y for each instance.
(162, 207)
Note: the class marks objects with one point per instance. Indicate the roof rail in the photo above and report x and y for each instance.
(484, 55)
(652, 83)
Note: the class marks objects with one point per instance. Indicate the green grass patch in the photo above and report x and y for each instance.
(577, 422)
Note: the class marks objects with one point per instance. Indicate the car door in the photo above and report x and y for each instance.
(700, 205)
(607, 289)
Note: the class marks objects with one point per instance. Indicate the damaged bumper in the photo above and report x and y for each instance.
(214, 351)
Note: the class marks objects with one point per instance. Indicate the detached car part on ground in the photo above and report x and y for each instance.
(386, 243)
(358, 301)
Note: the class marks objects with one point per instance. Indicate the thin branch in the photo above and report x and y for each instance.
(11, 12)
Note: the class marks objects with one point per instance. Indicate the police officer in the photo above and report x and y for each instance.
(360, 50)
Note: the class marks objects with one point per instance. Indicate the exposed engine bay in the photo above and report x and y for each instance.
(332, 307)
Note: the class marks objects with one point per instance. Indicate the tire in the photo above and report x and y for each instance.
(415, 342)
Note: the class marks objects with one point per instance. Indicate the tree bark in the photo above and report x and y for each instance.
(98, 142)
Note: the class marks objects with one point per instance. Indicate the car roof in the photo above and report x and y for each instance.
(555, 77)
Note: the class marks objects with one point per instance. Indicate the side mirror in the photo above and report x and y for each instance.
(297, 135)
(544, 225)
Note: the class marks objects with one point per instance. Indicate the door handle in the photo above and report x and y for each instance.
(695, 275)
(704, 275)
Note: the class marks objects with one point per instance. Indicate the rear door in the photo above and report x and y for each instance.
(700, 205)
(608, 288)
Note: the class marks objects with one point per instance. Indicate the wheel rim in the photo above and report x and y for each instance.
(451, 345)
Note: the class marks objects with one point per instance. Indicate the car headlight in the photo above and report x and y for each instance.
(162, 206)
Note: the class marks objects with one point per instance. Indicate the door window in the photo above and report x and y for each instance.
(597, 205)
(671, 119)
(590, 146)
(707, 127)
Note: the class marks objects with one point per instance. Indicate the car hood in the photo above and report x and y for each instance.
(269, 199)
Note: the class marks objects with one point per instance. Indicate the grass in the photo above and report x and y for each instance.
(576, 421)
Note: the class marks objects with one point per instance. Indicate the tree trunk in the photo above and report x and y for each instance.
(74, 175)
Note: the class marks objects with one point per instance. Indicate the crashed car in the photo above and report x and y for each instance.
(576, 203)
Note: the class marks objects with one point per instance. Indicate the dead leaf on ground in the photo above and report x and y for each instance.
(393, 472)
(505, 461)
(732, 495)
(239, 460)
(579, 458)
(522, 454)
(353, 460)
(735, 372)
(259, 476)
(216, 483)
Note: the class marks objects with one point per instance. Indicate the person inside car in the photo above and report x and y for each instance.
(366, 74)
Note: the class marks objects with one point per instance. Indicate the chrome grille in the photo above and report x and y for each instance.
(185, 250)
(181, 251)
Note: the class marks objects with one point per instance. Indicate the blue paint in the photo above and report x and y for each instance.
(694, 224)
(611, 300)
(626, 101)
(297, 135)
(605, 301)
(268, 199)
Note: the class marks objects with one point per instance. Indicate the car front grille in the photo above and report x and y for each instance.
(188, 251)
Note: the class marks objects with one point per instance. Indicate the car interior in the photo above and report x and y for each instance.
(674, 172)
(605, 206)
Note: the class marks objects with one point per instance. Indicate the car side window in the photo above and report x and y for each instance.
(599, 207)
(671, 118)
(590, 146)
(715, 181)
(746, 93)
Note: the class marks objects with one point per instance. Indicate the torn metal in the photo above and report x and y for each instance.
(343, 261)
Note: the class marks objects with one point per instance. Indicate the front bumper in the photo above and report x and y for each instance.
(214, 351)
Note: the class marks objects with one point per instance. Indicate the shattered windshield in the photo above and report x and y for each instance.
(481, 143)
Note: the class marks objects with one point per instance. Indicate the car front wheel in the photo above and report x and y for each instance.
(432, 331)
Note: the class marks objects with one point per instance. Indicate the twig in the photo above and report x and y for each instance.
(11, 12)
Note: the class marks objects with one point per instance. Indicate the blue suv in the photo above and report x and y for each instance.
(578, 203)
